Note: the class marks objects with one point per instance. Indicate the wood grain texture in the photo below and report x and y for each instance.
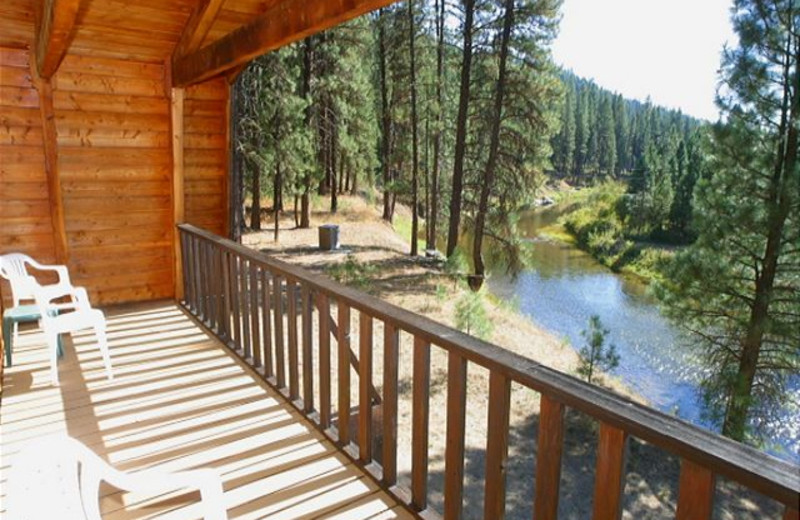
(197, 27)
(419, 423)
(286, 22)
(695, 492)
(497, 446)
(54, 34)
(364, 386)
(456, 428)
(178, 202)
(550, 446)
(609, 473)
(343, 364)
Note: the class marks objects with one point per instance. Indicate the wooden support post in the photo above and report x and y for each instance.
(50, 145)
(178, 198)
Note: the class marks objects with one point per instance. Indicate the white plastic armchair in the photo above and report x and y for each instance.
(14, 268)
(58, 477)
(73, 316)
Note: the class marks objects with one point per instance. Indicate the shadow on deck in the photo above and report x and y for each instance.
(180, 400)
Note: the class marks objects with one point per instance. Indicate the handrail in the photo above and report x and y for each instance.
(761, 472)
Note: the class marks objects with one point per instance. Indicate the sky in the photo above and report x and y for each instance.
(666, 49)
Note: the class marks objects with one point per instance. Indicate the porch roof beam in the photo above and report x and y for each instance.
(56, 20)
(197, 27)
(283, 23)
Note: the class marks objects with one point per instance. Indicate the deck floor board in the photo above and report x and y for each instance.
(180, 400)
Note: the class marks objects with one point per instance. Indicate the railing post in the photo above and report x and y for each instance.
(419, 427)
(308, 343)
(244, 276)
(695, 492)
(610, 473)
(391, 361)
(324, 361)
(255, 315)
(280, 361)
(266, 317)
(497, 446)
(236, 301)
(364, 385)
(548, 458)
(343, 340)
(456, 425)
(294, 375)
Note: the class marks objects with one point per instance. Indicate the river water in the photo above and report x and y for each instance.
(563, 286)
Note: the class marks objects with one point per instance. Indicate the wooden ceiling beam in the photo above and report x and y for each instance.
(54, 33)
(197, 27)
(282, 24)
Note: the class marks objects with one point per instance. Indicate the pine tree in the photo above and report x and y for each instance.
(606, 138)
(736, 289)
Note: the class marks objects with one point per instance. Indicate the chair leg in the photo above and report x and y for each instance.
(7, 335)
(102, 340)
(16, 331)
(52, 345)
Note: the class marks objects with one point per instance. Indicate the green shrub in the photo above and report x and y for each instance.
(352, 272)
(471, 316)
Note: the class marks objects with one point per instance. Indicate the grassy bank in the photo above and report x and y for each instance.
(594, 221)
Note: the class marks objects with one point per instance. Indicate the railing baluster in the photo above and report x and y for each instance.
(236, 302)
(695, 492)
(201, 281)
(218, 255)
(255, 325)
(343, 340)
(208, 313)
(308, 342)
(226, 296)
(419, 427)
(456, 427)
(280, 362)
(212, 286)
(497, 446)
(610, 473)
(391, 362)
(266, 323)
(364, 384)
(244, 277)
(548, 458)
(291, 301)
(324, 361)
(183, 237)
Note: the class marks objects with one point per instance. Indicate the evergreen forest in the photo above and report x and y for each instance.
(456, 110)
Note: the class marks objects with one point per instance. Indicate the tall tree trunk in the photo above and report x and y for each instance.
(494, 147)
(354, 182)
(433, 217)
(305, 199)
(778, 206)
(276, 193)
(386, 127)
(297, 211)
(414, 131)
(461, 129)
(333, 151)
(255, 208)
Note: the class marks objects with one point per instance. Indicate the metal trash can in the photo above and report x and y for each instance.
(329, 237)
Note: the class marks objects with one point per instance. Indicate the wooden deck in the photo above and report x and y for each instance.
(180, 400)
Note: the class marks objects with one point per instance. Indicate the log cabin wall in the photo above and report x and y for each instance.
(206, 155)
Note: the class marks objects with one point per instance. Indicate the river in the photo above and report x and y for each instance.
(563, 286)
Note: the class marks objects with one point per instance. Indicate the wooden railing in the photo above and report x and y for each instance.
(257, 305)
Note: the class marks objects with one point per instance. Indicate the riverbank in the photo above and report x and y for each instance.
(590, 220)
(374, 258)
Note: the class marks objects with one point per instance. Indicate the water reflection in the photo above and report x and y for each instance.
(564, 286)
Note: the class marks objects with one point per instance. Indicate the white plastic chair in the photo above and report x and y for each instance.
(14, 268)
(59, 318)
(58, 477)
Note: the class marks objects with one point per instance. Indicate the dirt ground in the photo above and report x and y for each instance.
(420, 285)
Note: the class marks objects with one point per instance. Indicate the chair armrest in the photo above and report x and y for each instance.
(154, 481)
(79, 298)
(61, 270)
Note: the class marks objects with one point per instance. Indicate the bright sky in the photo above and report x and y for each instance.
(667, 49)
